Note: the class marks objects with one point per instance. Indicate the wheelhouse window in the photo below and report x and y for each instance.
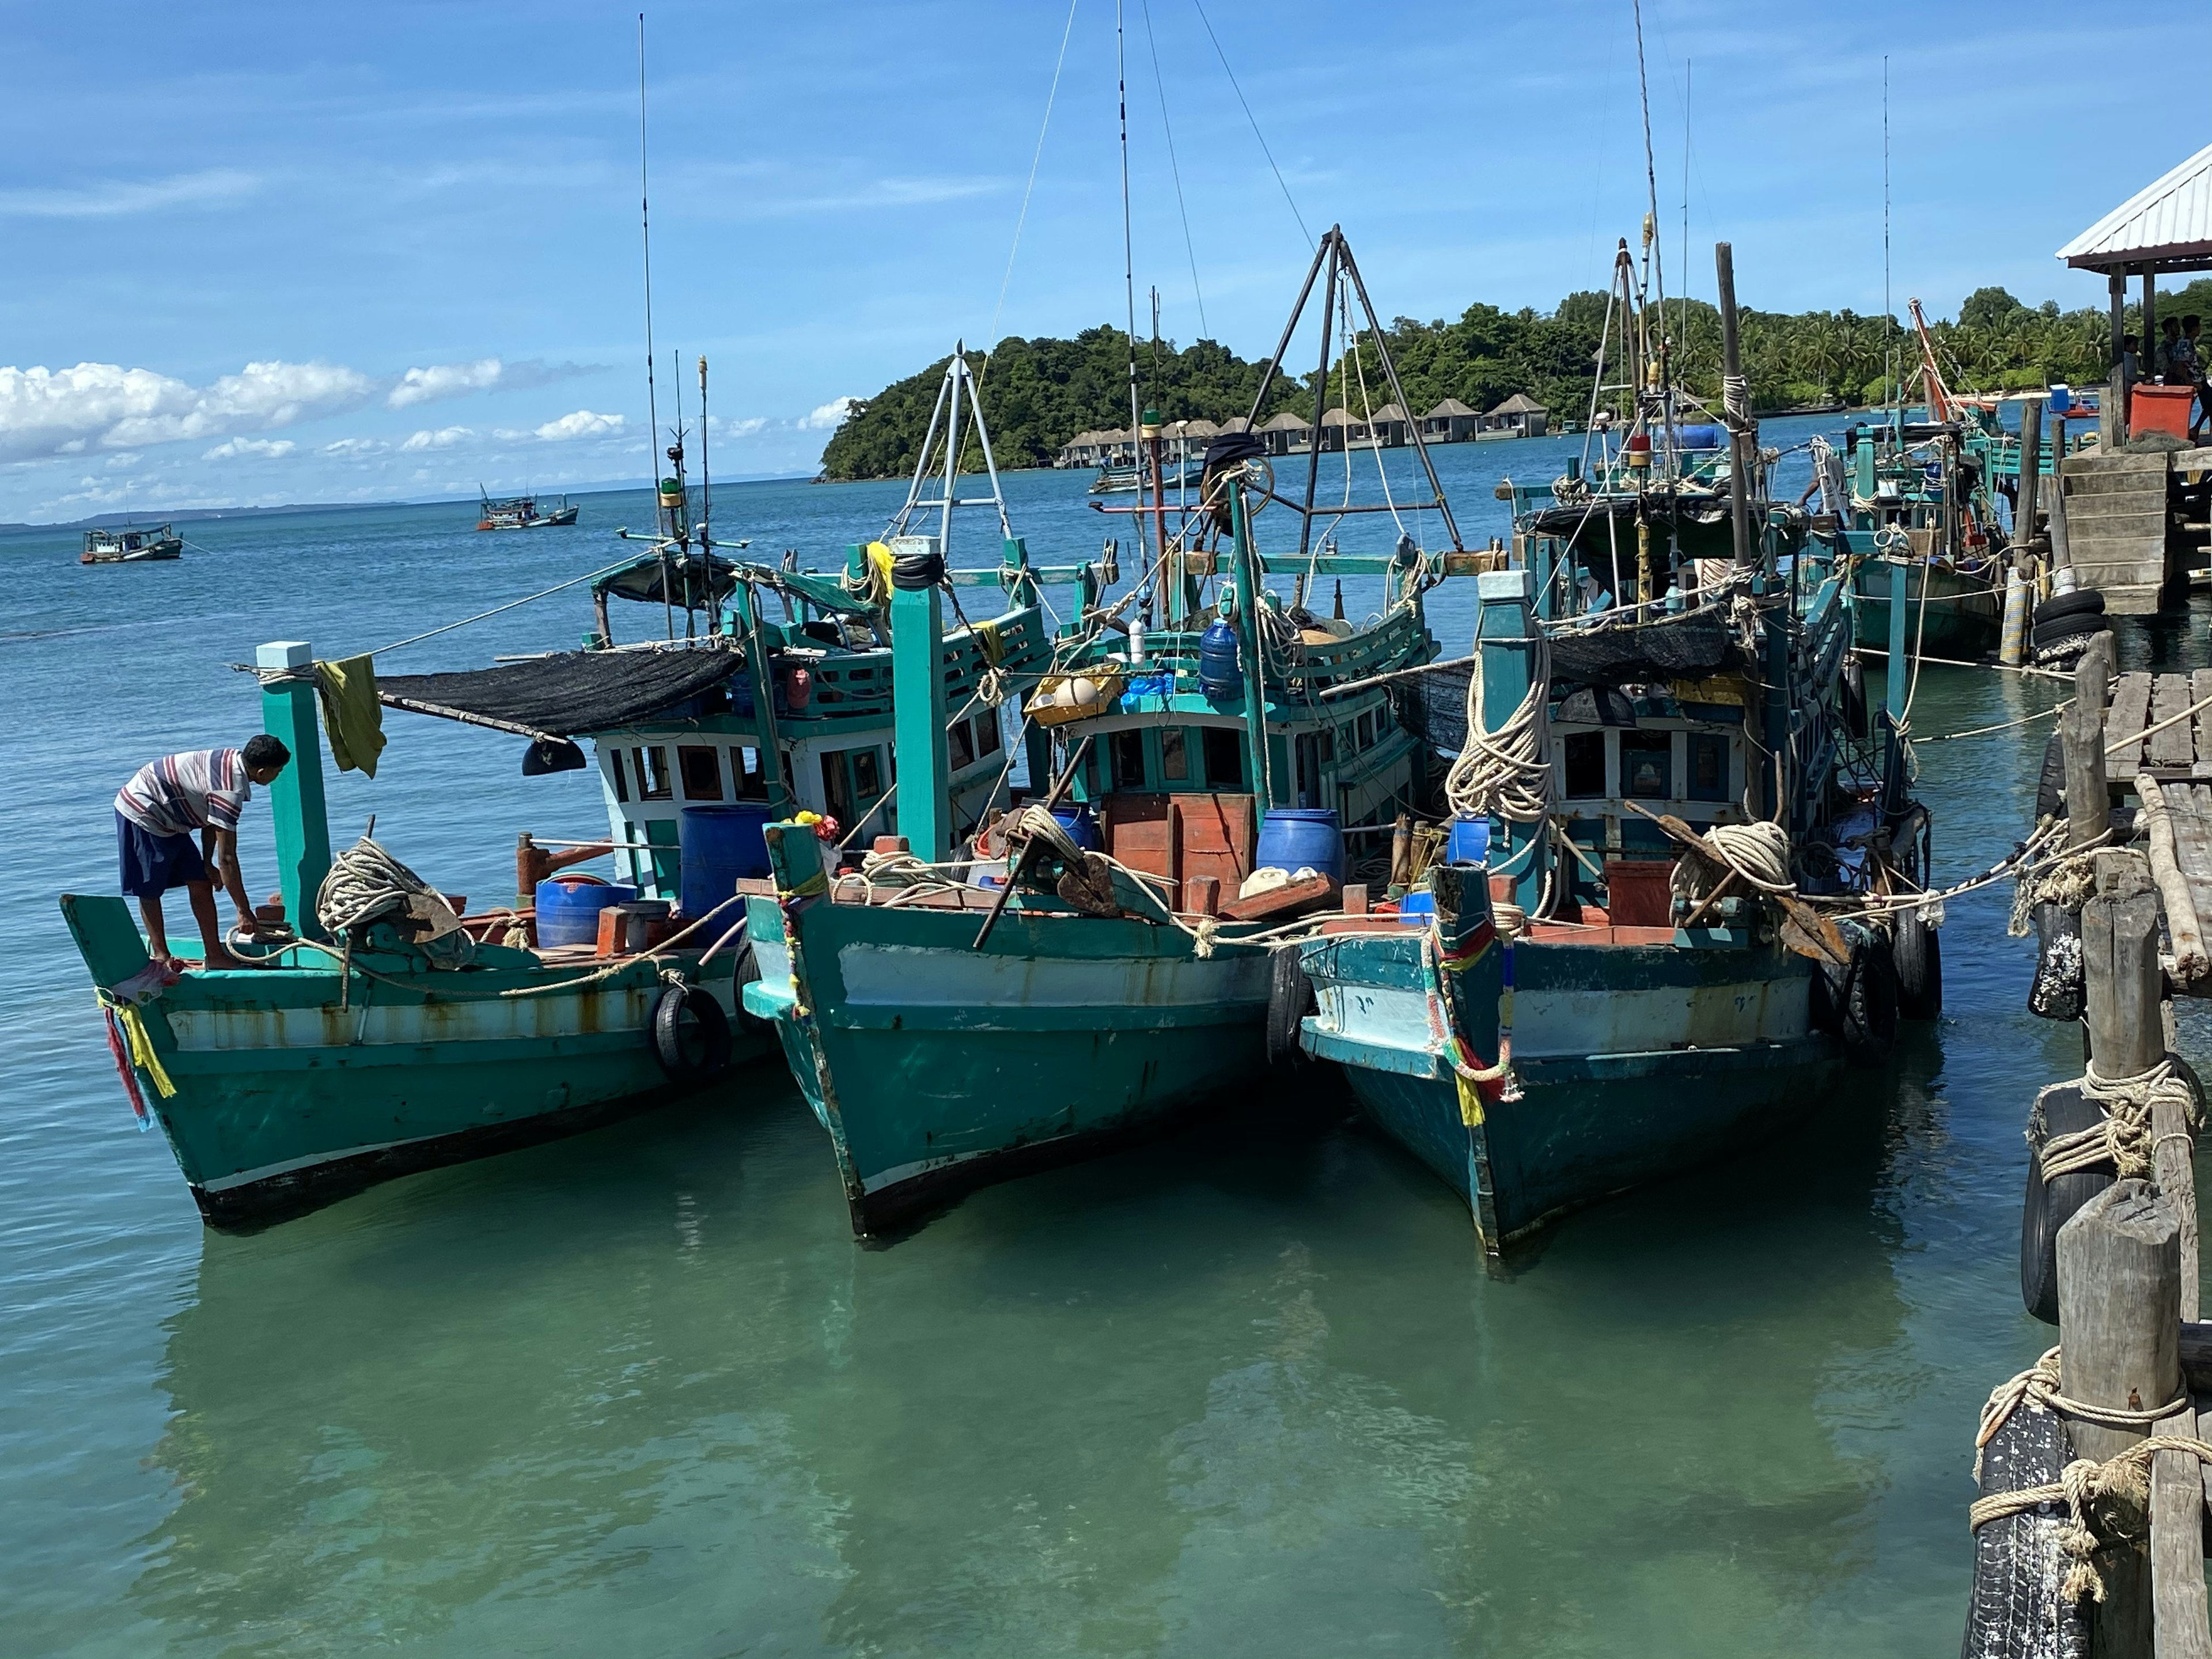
(747, 772)
(1583, 756)
(702, 772)
(988, 738)
(615, 771)
(1175, 758)
(1709, 766)
(836, 788)
(1224, 754)
(1647, 765)
(867, 776)
(1128, 760)
(652, 781)
(960, 741)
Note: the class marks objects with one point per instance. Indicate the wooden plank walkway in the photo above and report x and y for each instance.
(2181, 753)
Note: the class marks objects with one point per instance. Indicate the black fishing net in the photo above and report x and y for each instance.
(567, 693)
(1687, 646)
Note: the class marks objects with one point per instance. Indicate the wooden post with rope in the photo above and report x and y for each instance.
(1732, 369)
(2088, 796)
(2119, 1323)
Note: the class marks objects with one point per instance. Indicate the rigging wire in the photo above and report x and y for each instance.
(1197, 6)
(1175, 170)
(644, 226)
(1129, 272)
(1650, 168)
(1030, 189)
(1888, 307)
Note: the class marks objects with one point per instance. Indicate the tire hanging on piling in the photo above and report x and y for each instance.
(2050, 1204)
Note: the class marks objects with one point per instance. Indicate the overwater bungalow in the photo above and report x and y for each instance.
(1285, 433)
(1340, 429)
(1389, 428)
(1450, 422)
(1519, 416)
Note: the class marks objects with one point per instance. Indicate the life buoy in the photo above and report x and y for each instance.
(690, 1033)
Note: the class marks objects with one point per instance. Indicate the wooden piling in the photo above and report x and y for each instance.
(1739, 444)
(2119, 949)
(2031, 472)
(2119, 1322)
(2095, 670)
(2088, 800)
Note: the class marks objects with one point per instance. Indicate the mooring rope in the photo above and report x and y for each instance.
(2123, 1136)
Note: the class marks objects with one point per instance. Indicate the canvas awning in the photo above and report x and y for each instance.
(568, 693)
(2166, 226)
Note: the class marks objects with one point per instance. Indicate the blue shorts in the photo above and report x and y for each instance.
(153, 864)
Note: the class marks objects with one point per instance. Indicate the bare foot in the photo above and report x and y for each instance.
(220, 960)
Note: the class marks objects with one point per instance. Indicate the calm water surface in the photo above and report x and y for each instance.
(1244, 1392)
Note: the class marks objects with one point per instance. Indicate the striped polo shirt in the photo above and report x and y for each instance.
(200, 789)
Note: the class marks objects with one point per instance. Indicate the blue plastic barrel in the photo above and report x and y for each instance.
(569, 908)
(1220, 675)
(1469, 841)
(2062, 398)
(1699, 437)
(1081, 825)
(1419, 903)
(720, 846)
(1303, 837)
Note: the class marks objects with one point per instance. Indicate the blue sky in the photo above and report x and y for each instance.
(263, 254)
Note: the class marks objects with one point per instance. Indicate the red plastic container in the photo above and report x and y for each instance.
(1639, 892)
(2160, 408)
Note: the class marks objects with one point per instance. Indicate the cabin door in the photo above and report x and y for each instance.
(1307, 750)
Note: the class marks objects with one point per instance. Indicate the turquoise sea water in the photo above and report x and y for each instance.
(1247, 1391)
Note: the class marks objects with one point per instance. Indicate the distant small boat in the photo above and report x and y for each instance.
(1122, 480)
(522, 513)
(131, 546)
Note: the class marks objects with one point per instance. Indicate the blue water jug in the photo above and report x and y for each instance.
(721, 846)
(1469, 841)
(1303, 837)
(1220, 675)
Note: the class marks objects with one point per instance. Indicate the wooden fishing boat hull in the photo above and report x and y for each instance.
(284, 1095)
(1633, 1063)
(147, 555)
(1963, 615)
(938, 1068)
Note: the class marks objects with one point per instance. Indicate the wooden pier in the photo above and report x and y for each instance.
(2095, 1465)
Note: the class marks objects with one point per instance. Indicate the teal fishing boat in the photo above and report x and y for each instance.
(1101, 962)
(1621, 971)
(391, 1035)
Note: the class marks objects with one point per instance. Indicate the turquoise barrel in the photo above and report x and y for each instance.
(569, 908)
(1220, 675)
(1303, 837)
(720, 846)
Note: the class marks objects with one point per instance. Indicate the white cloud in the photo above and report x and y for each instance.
(423, 386)
(114, 196)
(444, 438)
(235, 449)
(120, 409)
(357, 447)
(739, 428)
(582, 423)
(830, 416)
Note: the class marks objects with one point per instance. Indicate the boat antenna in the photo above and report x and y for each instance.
(1888, 310)
(1653, 263)
(1129, 275)
(644, 226)
(705, 476)
(1683, 307)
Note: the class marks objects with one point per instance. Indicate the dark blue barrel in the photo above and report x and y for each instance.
(1081, 825)
(1699, 437)
(720, 846)
(1220, 675)
(1469, 843)
(1303, 837)
(569, 908)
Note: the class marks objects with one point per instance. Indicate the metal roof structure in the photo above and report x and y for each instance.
(2166, 226)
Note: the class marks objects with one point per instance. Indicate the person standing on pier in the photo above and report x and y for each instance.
(155, 815)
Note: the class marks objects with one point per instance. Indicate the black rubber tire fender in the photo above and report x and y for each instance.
(1857, 1005)
(1917, 953)
(1290, 1000)
(2066, 627)
(2047, 1206)
(2082, 602)
(746, 972)
(702, 1050)
(1855, 698)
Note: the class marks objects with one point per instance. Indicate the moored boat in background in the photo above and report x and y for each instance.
(521, 513)
(129, 545)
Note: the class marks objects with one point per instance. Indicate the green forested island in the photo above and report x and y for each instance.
(1039, 393)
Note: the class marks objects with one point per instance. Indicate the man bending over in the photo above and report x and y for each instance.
(155, 815)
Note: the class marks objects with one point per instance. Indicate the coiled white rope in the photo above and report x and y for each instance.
(1506, 773)
(1758, 852)
(366, 883)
